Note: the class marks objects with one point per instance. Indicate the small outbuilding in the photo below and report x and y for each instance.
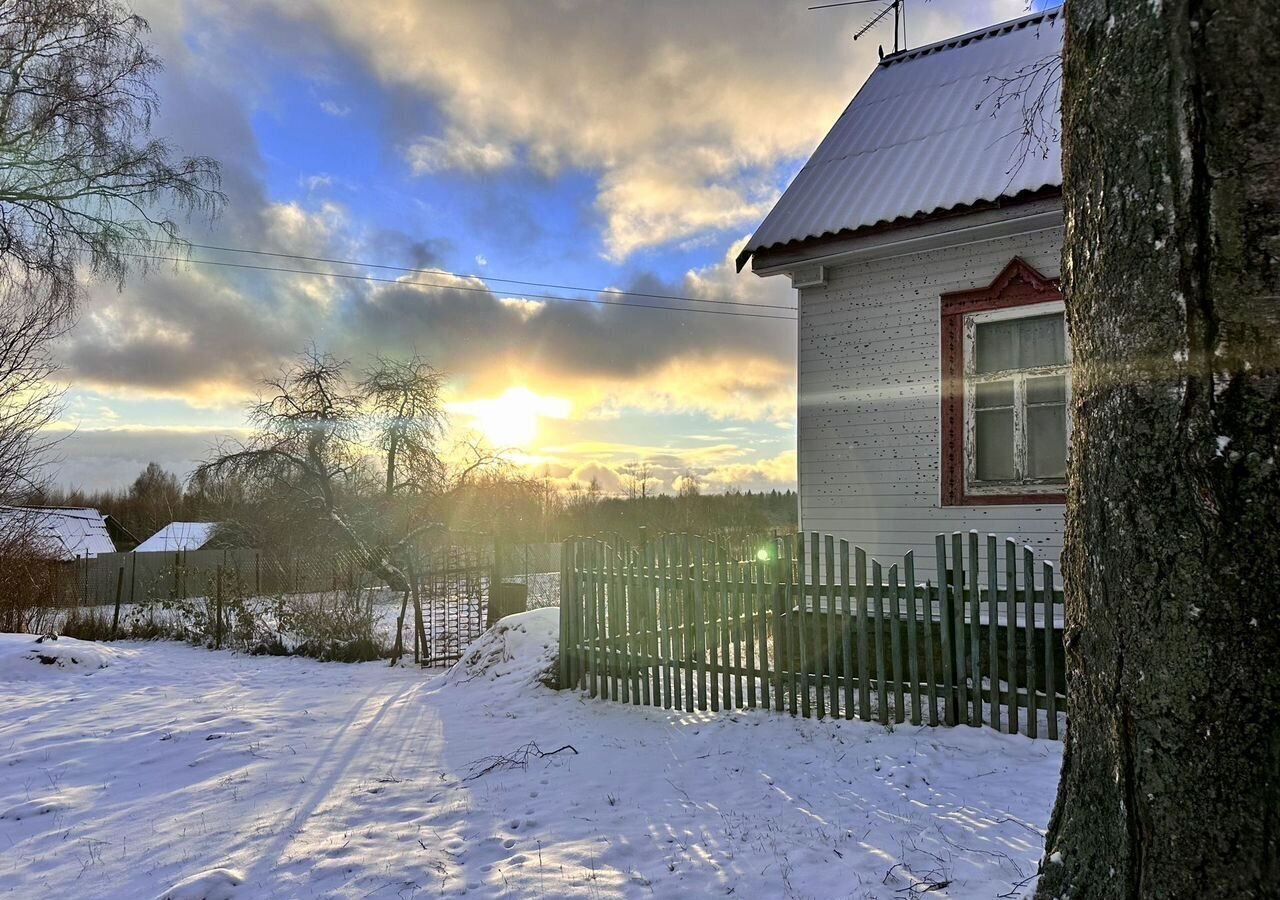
(923, 239)
(178, 536)
(62, 533)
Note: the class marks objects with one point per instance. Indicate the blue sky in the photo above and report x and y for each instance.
(583, 143)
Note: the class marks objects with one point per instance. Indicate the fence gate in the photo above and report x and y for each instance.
(445, 608)
(807, 624)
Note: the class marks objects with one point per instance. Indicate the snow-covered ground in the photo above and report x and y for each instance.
(157, 769)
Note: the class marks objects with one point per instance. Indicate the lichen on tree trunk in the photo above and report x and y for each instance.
(1171, 778)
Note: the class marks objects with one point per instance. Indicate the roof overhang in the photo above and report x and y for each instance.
(1040, 212)
(765, 260)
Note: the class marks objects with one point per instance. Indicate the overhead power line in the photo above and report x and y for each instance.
(469, 288)
(843, 3)
(484, 277)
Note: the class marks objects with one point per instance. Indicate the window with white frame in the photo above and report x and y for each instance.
(1016, 388)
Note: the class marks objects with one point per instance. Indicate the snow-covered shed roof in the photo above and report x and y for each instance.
(60, 532)
(178, 536)
(924, 135)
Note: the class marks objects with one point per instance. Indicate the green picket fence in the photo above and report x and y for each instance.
(805, 624)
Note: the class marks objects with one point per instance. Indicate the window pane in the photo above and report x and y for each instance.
(993, 439)
(1047, 390)
(995, 347)
(993, 395)
(1047, 441)
(1041, 341)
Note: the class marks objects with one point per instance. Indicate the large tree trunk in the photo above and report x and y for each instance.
(1171, 781)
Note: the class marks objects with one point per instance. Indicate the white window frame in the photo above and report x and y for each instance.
(1020, 484)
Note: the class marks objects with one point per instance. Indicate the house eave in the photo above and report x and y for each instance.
(985, 221)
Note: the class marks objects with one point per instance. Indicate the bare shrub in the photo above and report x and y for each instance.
(217, 610)
(89, 623)
(336, 626)
(28, 579)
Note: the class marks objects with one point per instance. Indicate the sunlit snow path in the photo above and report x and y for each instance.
(207, 774)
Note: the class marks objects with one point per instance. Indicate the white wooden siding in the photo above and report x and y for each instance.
(869, 441)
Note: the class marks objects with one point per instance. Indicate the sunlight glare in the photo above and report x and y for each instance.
(511, 420)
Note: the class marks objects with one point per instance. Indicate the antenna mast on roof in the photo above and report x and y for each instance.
(899, 8)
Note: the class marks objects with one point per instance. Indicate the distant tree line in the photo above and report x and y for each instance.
(510, 505)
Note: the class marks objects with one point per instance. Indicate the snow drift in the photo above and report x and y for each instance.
(27, 657)
(521, 649)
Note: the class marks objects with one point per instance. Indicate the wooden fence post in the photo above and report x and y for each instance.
(667, 634)
(882, 687)
(833, 639)
(930, 669)
(913, 650)
(895, 645)
(975, 630)
(699, 623)
(564, 616)
(1011, 628)
(421, 647)
(817, 621)
(1050, 656)
(1029, 601)
(945, 624)
(993, 630)
(654, 646)
(217, 630)
(594, 679)
(115, 616)
(961, 670)
(779, 626)
(860, 623)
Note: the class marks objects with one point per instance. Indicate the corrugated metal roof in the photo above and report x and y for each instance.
(60, 532)
(178, 536)
(922, 136)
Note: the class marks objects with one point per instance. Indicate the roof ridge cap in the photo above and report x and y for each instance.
(960, 40)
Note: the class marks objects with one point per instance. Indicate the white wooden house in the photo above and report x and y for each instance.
(923, 238)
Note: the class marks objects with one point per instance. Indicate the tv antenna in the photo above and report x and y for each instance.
(899, 8)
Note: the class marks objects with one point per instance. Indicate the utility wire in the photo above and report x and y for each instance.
(844, 3)
(454, 287)
(484, 277)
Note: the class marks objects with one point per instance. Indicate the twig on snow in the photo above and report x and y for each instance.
(518, 759)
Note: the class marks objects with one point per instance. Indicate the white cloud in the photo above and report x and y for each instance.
(456, 152)
(685, 110)
(777, 471)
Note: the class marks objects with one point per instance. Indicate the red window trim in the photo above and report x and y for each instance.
(1019, 284)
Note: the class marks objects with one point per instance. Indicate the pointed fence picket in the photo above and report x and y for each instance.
(808, 624)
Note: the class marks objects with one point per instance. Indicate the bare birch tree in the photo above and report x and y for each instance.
(82, 183)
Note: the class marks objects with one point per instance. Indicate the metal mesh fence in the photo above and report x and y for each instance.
(277, 602)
